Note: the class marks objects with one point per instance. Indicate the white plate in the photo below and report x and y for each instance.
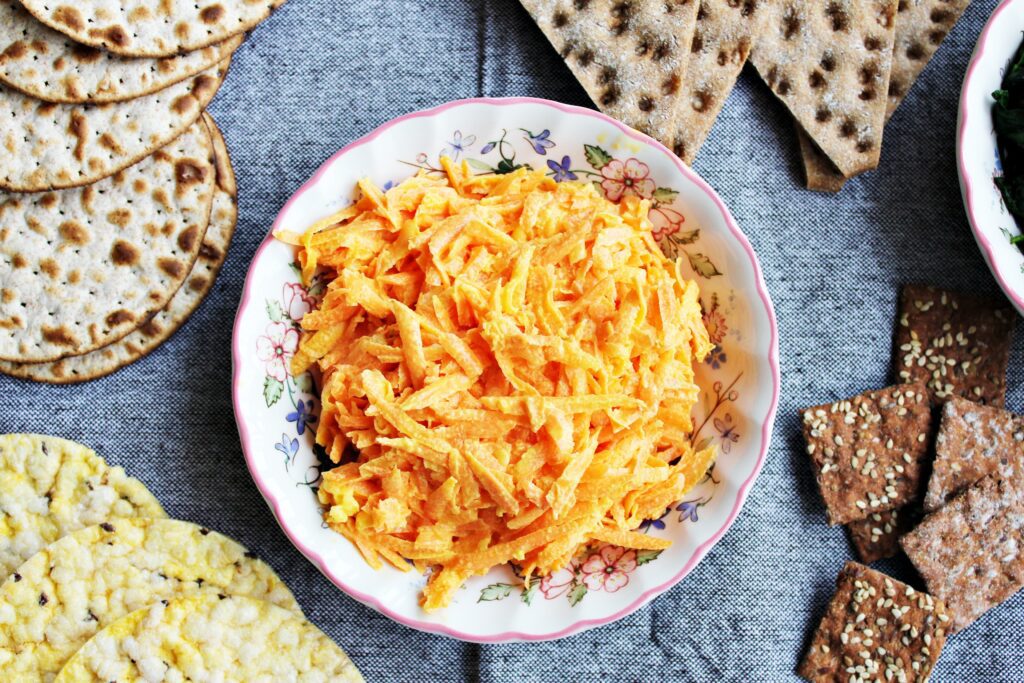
(977, 153)
(740, 379)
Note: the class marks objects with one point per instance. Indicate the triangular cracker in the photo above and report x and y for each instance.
(829, 62)
(725, 33)
(921, 26)
(630, 57)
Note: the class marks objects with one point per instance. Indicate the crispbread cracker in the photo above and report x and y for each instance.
(829, 62)
(631, 58)
(876, 629)
(868, 451)
(161, 326)
(64, 594)
(974, 441)
(207, 638)
(81, 268)
(921, 25)
(54, 146)
(724, 34)
(48, 65)
(51, 487)
(151, 28)
(970, 553)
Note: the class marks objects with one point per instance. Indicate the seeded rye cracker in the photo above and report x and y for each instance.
(830, 63)
(48, 65)
(161, 326)
(876, 629)
(81, 268)
(51, 487)
(724, 34)
(973, 442)
(66, 593)
(868, 451)
(958, 345)
(921, 26)
(210, 638)
(53, 146)
(151, 28)
(970, 553)
(878, 535)
(631, 58)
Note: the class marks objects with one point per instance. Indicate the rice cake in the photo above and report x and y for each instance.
(51, 487)
(161, 326)
(631, 58)
(57, 146)
(210, 638)
(973, 442)
(724, 33)
(970, 553)
(151, 28)
(921, 26)
(66, 593)
(958, 345)
(877, 536)
(48, 65)
(868, 451)
(876, 629)
(829, 63)
(82, 268)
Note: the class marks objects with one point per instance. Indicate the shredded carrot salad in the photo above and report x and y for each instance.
(507, 371)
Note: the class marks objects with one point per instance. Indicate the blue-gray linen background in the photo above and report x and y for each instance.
(321, 73)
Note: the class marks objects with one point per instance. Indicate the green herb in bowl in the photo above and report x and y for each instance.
(1008, 119)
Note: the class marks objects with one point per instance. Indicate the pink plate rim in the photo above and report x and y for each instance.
(766, 430)
(987, 248)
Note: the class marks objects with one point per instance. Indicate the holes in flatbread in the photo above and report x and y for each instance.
(895, 88)
(611, 95)
(868, 73)
(790, 25)
(580, 4)
(816, 80)
(646, 103)
(865, 145)
(585, 58)
(915, 52)
(622, 14)
(698, 43)
(828, 62)
(702, 101)
(847, 129)
(822, 115)
(670, 86)
(940, 16)
(746, 7)
(872, 44)
(661, 51)
(784, 86)
(936, 37)
(902, 6)
(867, 94)
(837, 15)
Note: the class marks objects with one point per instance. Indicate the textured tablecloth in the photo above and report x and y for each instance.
(319, 74)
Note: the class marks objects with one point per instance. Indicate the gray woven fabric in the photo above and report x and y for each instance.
(323, 72)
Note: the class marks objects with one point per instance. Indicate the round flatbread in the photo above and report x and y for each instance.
(48, 65)
(56, 146)
(81, 268)
(51, 487)
(151, 28)
(63, 595)
(210, 638)
(161, 326)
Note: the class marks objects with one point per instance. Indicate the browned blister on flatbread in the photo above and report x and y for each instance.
(630, 57)
(971, 552)
(868, 451)
(958, 345)
(43, 63)
(81, 268)
(973, 442)
(921, 26)
(829, 62)
(878, 535)
(151, 28)
(57, 146)
(724, 34)
(876, 629)
(155, 331)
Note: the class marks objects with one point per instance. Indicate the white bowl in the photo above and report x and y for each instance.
(977, 153)
(740, 380)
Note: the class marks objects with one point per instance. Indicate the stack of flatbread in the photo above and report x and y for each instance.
(117, 196)
(666, 67)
